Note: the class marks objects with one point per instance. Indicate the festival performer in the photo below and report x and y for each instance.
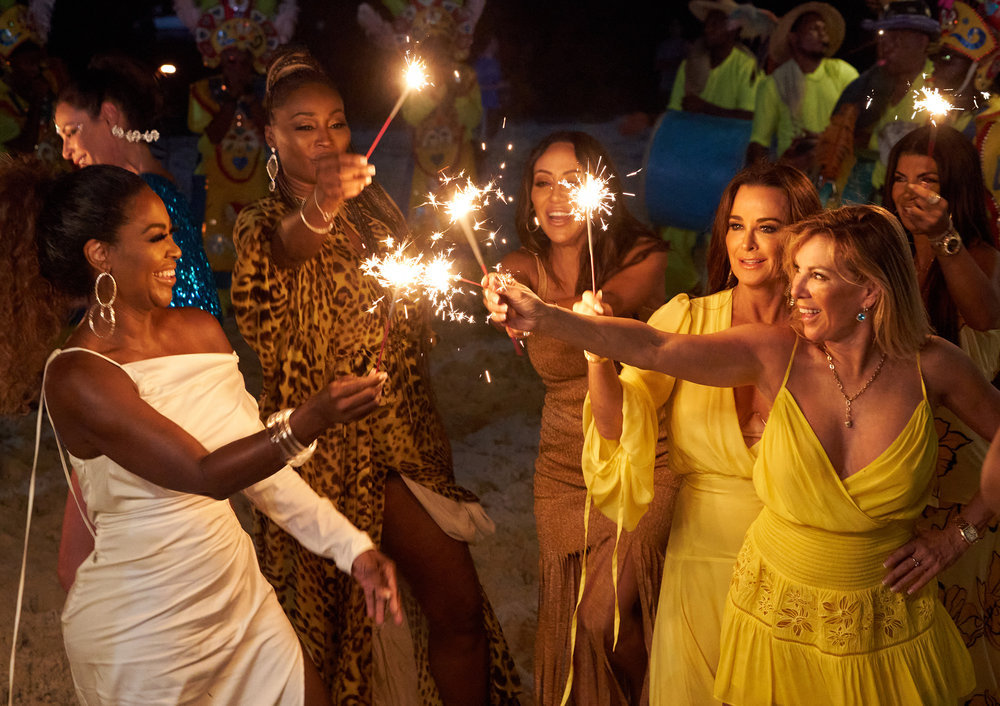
(226, 111)
(833, 595)
(106, 116)
(877, 108)
(712, 432)
(305, 308)
(718, 77)
(794, 102)
(170, 606)
(943, 208)
(554, 261)
(29, 82)
(444, 117)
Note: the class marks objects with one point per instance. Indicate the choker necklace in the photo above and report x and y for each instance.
(848, 422)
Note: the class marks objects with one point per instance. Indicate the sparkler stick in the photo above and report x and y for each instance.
(590, 197)
(937, 107)
(465, 200)
(414, 78)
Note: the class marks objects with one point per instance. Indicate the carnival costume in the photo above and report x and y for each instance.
(310, 324)
(444, 116)
(560, 500)
(714, 505)
(21, 25)
(233, 167)
(808, 619)
(170, 606)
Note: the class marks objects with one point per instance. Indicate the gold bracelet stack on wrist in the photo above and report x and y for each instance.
(595, 359)
(280, 431)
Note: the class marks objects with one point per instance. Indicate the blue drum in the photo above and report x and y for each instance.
(689, 160)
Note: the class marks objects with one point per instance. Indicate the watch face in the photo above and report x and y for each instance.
(970, 533)
(951, 244)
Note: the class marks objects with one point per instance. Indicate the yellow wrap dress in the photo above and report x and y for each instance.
(715, 503)
(808, 619)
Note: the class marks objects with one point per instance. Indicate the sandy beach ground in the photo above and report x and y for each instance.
(490, 398)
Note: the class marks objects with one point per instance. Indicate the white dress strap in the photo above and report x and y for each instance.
(31, 503)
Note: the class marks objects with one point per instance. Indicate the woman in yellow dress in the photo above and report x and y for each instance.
(713, 460)
(832, 598)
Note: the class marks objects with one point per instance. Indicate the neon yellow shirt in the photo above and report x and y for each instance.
(821, 89)
(731, 85)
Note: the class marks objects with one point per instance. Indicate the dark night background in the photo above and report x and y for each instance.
(565, 61)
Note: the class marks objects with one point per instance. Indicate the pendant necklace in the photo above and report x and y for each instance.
(848, 422)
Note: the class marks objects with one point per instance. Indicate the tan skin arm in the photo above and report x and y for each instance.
(971, 275)
(953, 381)
(752, 354)
(338, 177)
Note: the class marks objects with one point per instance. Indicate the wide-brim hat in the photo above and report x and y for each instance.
(905, 14)
(701, 8)
(779, 49)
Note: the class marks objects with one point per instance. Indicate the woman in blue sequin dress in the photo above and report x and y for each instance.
(104, 117)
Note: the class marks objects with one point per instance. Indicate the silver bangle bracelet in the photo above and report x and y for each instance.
(292, 450)
(310, 226)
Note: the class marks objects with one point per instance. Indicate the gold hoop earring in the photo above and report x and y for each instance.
(272, 168)
(105, 309)
(532, 218)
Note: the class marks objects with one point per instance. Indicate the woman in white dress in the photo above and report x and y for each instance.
(170, 606)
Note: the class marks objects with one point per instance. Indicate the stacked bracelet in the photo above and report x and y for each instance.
(310, 226)
(280, 431)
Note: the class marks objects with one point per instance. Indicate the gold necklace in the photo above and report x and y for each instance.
(850, 398)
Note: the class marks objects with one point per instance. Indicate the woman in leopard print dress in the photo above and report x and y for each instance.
(304, 306)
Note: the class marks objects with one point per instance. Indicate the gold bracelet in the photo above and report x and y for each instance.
(593, 358)
(314, 229)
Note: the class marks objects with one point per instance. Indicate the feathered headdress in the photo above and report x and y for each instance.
(20, 23)
(450, 22)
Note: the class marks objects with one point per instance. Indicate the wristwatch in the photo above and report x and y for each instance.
(968, 530)
(949, 243)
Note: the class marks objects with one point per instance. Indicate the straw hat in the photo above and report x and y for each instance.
(779, 49)
(701, 8)
(905, 14)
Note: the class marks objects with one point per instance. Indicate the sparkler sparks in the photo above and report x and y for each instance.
(465, 200)
(413, 276)
(588, 198)
(414, 79)
(936, 105)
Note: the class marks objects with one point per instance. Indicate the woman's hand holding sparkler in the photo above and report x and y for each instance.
(511, 303)
(339, 177)
(926, 212)
(593, 305)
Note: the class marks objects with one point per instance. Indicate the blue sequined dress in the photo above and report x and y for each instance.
(195, 282)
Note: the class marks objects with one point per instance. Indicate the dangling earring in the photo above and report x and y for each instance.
(532, 218)
(105, 310)
(862, 315)
(272, 168)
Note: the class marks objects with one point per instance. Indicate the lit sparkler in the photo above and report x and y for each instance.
(465, 200)
(937, 107)
(412, 275)
(414, 78)
(590, 198)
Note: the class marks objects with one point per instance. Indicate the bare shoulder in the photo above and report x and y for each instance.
(192, 330)
(522, 264)
(945, 367)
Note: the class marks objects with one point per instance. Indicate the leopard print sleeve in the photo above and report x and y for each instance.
(260, 290)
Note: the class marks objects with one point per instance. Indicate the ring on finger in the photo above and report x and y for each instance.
(916, 561)
(933, 199)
